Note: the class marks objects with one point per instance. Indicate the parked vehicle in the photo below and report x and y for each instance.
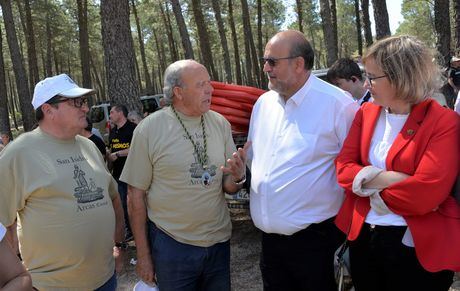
(151, 103)
(100, 117)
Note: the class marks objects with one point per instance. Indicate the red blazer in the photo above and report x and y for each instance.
(427, 149)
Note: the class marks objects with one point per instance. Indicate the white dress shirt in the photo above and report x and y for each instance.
(294, 145)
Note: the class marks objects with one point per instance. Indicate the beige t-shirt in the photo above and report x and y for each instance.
(61, 192)
(162, 160)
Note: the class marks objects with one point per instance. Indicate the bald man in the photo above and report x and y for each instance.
(297, 129)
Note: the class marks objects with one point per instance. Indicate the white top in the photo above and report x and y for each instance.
(388, 127)
(2, 232)
(457, 103)
(294, 145)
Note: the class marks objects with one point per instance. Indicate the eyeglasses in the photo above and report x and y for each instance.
(371, 79)
(77, 102)
(272, 61)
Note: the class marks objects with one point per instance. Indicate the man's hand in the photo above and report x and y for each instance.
(112, 156)
(145, 269)
(236, 166)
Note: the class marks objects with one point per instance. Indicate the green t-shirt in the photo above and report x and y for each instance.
(163, 162)
(61, 193)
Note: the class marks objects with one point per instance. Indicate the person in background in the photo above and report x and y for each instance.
(296, 130)
(87, 132)
(13, 274)
(398, 166)
(120, 138)
(134, 117)
(346, 74)
(54, 181)
(451, 87)
(182, 159)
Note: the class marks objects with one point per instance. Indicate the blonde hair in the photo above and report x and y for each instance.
(409, 65)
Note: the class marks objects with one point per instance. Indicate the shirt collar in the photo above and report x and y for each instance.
(299, 96)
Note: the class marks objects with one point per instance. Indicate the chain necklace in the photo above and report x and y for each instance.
(202, 157)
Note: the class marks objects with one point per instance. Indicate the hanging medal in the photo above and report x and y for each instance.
(202, 156)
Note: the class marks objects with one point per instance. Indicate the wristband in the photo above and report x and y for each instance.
(121, 245)
(241, 181)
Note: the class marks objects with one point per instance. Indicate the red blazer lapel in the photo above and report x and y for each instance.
(408, 132)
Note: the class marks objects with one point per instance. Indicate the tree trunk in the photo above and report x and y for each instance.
(328, 31)
(31, 51)
(457, 27)
(334, 24)
(119, 56)
(186, 44)
(366, 22)
(298, 8)
(223, 41)
(48, 65)
(4, 116)
(12, 103)
(148, 82)
(236, 50)
(358, 29)
(260, 44)
(442, 27)
(382, 25)
(203, 36)
(160, 52)
(82, 7)
(22, 83)
(172, 46)
(250, 40)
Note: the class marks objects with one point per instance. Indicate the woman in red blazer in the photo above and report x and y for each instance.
(397, 166)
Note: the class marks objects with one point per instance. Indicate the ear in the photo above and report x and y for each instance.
(177, 92)
(300, 64)
(353, 79)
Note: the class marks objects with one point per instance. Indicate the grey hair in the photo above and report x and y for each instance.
(173, 78)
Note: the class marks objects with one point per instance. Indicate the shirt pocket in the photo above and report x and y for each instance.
(299, 147)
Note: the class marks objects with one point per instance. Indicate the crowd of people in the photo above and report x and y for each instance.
(370, 163)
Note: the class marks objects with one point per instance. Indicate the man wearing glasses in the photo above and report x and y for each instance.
(297, 130)
(69, 213)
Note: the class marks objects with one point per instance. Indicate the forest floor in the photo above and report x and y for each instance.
(244, 261)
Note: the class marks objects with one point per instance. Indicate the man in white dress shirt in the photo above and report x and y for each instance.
(297, 129)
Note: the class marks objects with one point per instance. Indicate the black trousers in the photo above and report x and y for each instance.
(301, 261)
(381, 262)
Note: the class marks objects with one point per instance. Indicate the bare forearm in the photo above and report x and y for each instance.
(137, 210)
(119, 219)
(13, 275)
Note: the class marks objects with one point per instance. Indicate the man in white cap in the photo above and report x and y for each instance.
(55, 182)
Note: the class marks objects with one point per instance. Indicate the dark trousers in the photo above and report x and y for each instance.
(381, 262)
(185, 267)
(123, 191)
(301, 261)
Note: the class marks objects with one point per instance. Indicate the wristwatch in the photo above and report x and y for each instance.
(121, 245)
(241, 181)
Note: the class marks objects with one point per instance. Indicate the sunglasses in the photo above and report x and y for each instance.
(273, 61)
(77, 102)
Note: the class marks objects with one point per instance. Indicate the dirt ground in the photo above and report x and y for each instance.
(244, 264)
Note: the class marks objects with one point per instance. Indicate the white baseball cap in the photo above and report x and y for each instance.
(60, 85)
